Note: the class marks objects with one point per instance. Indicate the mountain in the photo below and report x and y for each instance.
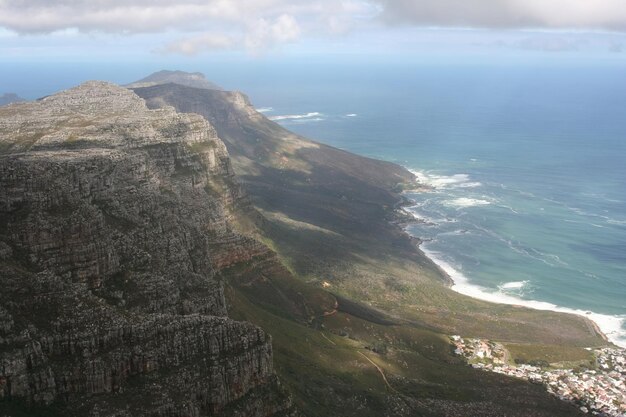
(117, 224)
(169, 251)
(8, 98)
(334, 220)
(195, 79)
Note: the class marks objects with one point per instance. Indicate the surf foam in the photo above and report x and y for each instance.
(611, 326)
(513, 285)
(311, 115)
(445, 181)
(464, 202)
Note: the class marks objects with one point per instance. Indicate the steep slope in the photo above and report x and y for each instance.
(116, 223)
(293, 179)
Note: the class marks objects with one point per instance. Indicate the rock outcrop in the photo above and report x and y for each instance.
(115, 224)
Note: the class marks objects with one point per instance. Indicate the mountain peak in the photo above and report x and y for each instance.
(189, 79)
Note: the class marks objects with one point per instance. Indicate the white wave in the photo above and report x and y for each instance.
(511, 209)
(459, 232)
(298, 121)
(265, 109)
(513, 285)
(428, 219)
(445, 181)
(310, 115)
(611, 326)
(607, 219)
(422, 218)
(464, 202)
(351, 115)
(469, 185)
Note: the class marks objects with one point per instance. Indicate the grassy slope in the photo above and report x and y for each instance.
(326, 213)
(327, 368)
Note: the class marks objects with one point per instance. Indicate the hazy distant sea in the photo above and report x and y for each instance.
(527, 162)
(527, 167)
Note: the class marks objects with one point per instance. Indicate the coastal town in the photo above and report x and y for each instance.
(600, 391)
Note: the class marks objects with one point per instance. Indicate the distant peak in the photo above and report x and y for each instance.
(189, 79)
(8, 98)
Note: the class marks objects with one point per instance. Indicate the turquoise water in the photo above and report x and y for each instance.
(527, 161)
(527, 165)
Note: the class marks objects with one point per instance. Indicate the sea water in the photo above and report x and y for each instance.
(526, 167)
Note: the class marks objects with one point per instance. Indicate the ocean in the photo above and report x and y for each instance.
(526, 161)
(526, 164)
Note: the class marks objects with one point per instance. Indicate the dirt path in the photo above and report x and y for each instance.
(325, 337)
(380, 371)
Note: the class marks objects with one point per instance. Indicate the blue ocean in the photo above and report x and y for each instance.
(525, 162)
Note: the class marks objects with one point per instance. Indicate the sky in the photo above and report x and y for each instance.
(49, 45)
(155, 29)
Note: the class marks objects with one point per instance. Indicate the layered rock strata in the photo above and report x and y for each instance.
(115, 224)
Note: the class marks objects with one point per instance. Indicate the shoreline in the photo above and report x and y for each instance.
(608, 327)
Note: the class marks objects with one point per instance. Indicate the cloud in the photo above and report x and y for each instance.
(148, 16)
(545, 14)
(261, 35)
(258, 25)
(198, 44)
(117, 16)
(266, 33)
(202, 25)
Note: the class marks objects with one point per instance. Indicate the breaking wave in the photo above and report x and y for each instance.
(445, 181)
(311, 116)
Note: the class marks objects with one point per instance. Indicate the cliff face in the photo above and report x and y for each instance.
(115, 224)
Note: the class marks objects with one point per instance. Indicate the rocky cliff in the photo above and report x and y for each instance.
(115, 224)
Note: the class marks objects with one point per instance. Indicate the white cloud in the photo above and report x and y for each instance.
(202, 24)
(198, 44)
(266, 33)
(256, 25)
(260, 35)
(552, 14)
(145, 16)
